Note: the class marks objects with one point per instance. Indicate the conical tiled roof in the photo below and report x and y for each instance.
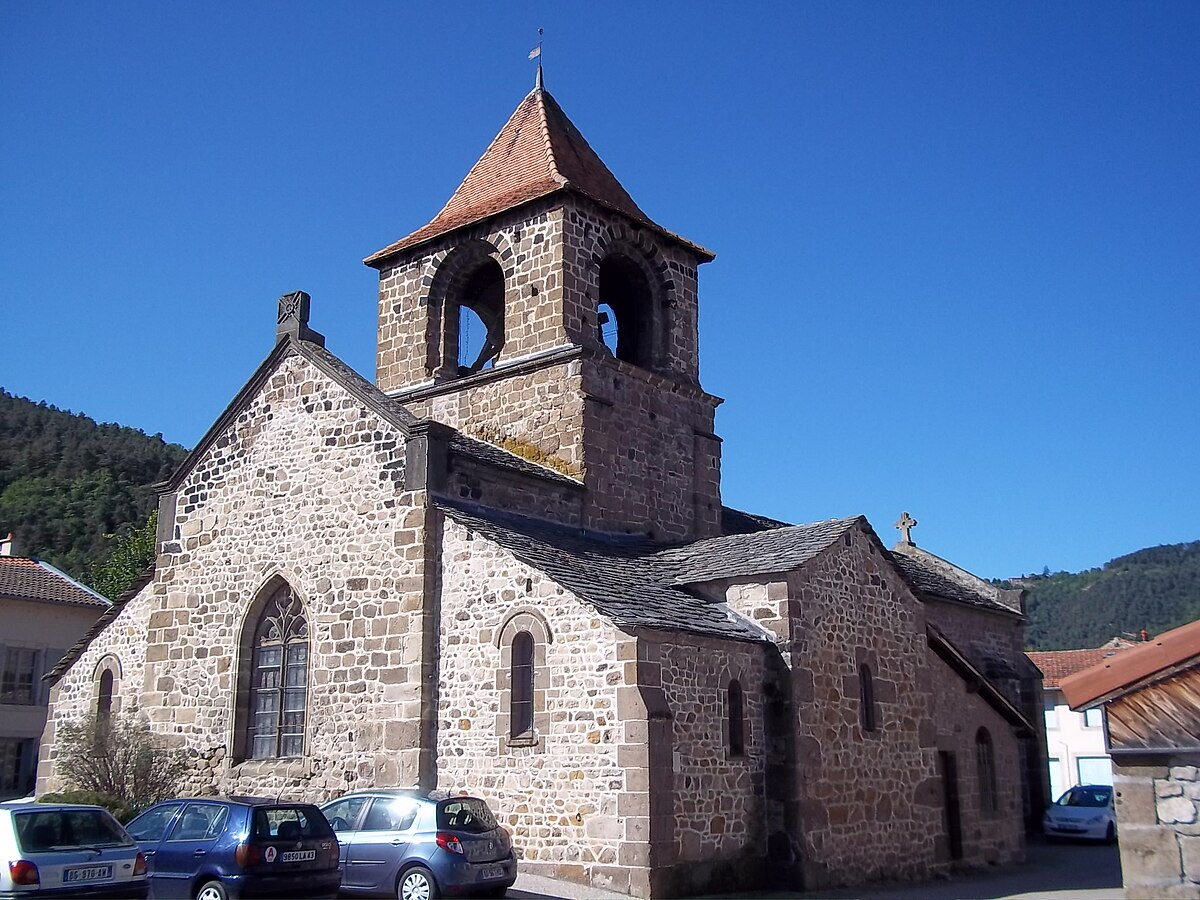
(537, 152)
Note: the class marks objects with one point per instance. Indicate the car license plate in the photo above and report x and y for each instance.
(87, 873)
(491, 872)
(298, 855)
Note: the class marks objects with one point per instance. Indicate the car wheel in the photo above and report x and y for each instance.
(417, 884)
(212, 890)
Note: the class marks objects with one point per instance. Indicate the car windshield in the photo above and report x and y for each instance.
(465, 814)
(290, 823)
(68, 829)
(1078, 796)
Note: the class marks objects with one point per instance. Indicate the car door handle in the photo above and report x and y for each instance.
(396, 842)
(199, 853)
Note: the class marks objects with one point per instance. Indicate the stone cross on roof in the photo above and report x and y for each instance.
(292, 319)
(906, 524)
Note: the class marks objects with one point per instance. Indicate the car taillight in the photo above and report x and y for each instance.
(247, 855)
(139, 865)
(22, 871)
(449, 842)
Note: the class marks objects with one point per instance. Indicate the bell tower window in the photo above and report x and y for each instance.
(625, 311)
(477, 318)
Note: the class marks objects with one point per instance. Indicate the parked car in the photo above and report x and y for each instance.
(222, 848)
(417, 845)
(65, 850)
(1085, 811)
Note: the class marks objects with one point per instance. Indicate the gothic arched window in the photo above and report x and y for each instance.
(866, 698)
(521, 698)
(737, 720)
(278, 684)
(985, 762)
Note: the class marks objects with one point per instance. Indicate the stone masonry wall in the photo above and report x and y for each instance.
(981, 635)
(74, 697)
(560, 793)
(305, 485)
(1158, 820)
(719, 816)
(987, 837)
(870, 800)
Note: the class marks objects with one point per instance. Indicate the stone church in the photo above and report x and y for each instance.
(505, 568)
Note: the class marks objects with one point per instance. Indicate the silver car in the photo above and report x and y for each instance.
(62, 850)
(1085, 811)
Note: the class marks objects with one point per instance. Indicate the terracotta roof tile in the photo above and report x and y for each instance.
(32, 579)
(538, 151)
(1058, 664)
(1126, 670)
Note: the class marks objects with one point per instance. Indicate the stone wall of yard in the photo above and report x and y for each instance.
(1158, 823)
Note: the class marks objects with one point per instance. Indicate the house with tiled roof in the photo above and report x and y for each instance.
(42, 612)
(1150, 695)
(505, 567)
(1075, 750)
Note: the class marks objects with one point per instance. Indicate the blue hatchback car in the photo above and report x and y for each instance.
(237, 847)
(417, 845)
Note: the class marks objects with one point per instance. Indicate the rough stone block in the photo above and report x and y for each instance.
(1176, 809)
(1149, 853)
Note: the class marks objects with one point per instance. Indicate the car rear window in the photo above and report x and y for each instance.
(465, 814)
(68, 829)
(288, 823)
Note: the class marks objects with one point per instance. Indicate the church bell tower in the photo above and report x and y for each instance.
(542, 308)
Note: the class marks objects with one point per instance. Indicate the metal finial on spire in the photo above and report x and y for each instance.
(536, 53)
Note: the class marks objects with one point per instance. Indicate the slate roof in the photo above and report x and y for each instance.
(24, 578)
(967, 670)
(620, 577)
(930, 581)
(736, 521)
(538, 152)
(1055, 665)
(733, 555)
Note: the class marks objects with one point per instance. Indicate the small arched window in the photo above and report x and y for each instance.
(985, 762)
(104, 697)
(521, 697)
(737, 720)
(278, 695)
(866, 699)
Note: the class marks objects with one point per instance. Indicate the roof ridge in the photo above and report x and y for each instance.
(544, 124)
(83, 587)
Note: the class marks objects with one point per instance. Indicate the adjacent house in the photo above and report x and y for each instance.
(1151, 698)
(1075, 747)
(505, 567)
(42, 612)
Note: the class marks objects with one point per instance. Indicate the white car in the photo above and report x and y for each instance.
(1085, 811)
(59, 850)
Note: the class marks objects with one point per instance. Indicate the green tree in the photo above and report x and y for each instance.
(132, 552)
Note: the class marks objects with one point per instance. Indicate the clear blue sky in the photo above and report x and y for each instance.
(958, 244)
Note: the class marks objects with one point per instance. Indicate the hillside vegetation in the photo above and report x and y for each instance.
(1157, 589)
(66, 483)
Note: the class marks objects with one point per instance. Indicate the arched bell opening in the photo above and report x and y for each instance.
(625, 311)
(478, 317)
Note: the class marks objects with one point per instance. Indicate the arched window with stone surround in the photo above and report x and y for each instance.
(737, 719)
(476, 317)
(274, 673)
(521, 697)
(985, 762)
(867, 713)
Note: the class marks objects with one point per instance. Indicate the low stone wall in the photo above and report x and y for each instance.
(1158, 821)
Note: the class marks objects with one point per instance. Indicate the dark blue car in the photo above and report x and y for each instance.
(417, 845)
(237, 847)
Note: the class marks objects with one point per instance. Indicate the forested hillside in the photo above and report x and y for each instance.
(1156, 589)
(66, 482)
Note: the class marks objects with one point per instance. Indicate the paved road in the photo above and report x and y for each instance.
(1050, 872)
